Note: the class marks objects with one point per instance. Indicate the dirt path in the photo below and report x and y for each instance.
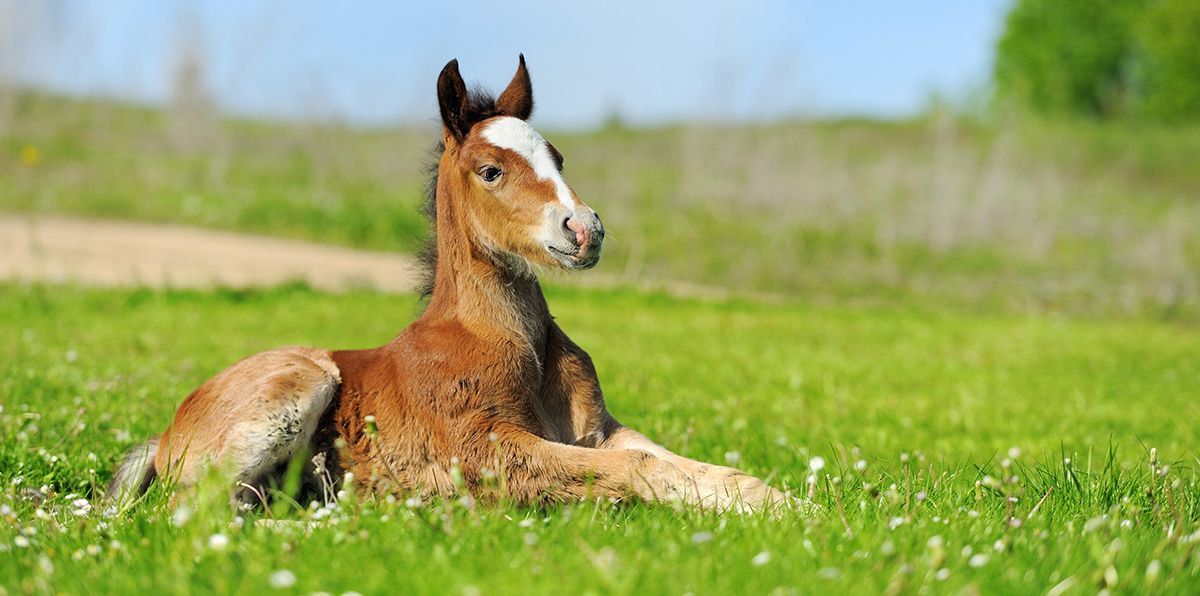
(129, 254)
(112, 253)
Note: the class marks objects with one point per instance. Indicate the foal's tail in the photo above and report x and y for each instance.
(134, 475)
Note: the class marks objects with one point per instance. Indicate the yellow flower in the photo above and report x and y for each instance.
(30, 155)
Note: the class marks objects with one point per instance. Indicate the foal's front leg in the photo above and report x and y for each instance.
(539, 470)
(573, 383)
(714, 487)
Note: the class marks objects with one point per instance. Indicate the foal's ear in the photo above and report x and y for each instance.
(517, 99)
(452, 99)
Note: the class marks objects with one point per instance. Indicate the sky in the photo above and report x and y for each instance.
(644, 61)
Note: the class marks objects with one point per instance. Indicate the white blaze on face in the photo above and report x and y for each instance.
(519, 137)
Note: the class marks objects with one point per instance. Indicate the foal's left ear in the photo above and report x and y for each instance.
(517, 99)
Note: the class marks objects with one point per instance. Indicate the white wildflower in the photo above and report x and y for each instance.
(761, 559)
(1153, 569)
(81, 507)
(701, 537)
(1095, 523)
(182, 514)
(218, 542)
(816, 464)
(978, 561)
(733, 457)
(283, 579)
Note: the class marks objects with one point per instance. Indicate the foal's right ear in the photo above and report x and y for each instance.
(452, 99)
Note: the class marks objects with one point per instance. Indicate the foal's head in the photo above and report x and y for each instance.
(505, 181)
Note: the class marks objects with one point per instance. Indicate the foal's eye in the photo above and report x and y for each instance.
(489, 173)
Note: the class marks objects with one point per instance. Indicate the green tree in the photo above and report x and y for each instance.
(1068, 56)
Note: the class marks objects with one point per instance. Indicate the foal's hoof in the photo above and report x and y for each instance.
(751, 496)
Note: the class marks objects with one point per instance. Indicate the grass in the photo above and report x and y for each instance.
(998, 325)
(1016, 214)
(999, 452)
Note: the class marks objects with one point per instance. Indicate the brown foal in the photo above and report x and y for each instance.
(484, 379)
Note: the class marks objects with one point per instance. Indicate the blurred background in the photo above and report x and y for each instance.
(1018, 154)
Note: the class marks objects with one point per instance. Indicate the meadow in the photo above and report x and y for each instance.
(973, 343)
(1003, 212)
(948, 451)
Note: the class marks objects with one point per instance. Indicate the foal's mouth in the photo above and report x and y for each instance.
(577, 258)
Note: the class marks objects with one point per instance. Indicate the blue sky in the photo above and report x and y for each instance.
(376, 62)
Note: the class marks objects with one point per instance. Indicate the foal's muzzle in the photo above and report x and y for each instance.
(582, 234)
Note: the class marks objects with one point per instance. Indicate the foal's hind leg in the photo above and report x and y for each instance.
(250, 419)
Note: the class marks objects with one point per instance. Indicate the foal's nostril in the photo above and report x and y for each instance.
(568, 231)
(576, 231)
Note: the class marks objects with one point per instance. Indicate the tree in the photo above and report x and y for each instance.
(1068, 56)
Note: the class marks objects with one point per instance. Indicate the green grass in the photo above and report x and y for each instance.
(930, 400)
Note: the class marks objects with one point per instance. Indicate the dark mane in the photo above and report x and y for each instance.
(481, 105)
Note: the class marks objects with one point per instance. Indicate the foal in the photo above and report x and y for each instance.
(484, 379)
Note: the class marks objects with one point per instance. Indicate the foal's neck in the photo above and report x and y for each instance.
(495, 300)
